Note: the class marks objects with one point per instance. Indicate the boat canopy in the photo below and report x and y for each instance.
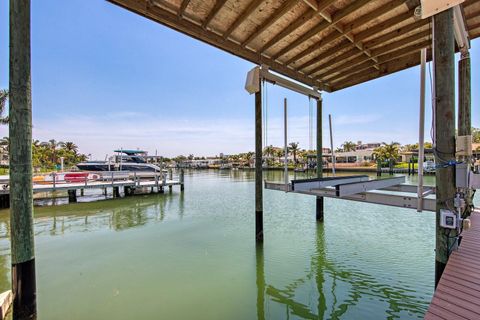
(130, 152)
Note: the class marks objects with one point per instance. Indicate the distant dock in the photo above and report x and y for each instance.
(117, 181)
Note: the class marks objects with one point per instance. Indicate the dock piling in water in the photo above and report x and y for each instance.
(21, 186)
(444, 138)
(72, 196)
(258, 167)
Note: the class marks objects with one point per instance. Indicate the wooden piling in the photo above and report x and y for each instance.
(319, 207)
(21, 188)
(182, 180)
(465, 113)
(170, 177)
(116, 192)
(4, 201)
(379, 168)
(258, 168)
(72, 196)
(444, 45)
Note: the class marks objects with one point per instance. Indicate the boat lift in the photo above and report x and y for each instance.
(389, 191)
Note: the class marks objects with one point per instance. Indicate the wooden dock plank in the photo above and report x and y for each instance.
(458, 293)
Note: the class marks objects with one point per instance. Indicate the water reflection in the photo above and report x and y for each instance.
(117, 215)
(339, 288)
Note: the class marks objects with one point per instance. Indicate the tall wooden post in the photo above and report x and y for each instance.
(21, 189)
(258, 168)
(319, 200)
(465, 110)
(444, 70)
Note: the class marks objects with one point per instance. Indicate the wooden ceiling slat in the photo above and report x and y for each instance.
(390, 6)
(359, 21)
(310, 33)
(394, 49)
(330, 52)
(323, 42)
(216, 8)
(382, 60)
(391, 67)
(336, 18)
(384, 25)
(288, 30)
(345, 61)
(395, 33)
(183, 6)
(244, 15)
(279, 13)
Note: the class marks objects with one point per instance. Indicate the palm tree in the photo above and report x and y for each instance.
(71, 147)
(293, 148)
(388, 151)
(269, 151)
(349, 146)
(248, 157)
(3, 104)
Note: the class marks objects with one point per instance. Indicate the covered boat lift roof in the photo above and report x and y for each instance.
(328, 44)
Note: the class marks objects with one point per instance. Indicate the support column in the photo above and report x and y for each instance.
(444, 72)
(319, 201)
(21, 188)
(465, 112)
(170, 176)
(258, 168)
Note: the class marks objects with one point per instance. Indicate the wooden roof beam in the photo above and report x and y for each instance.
(183, 6)
(279, 13)
(384, 25)
(345, 59)
(326, 54)
(216, 8)
(289, 29)
(395, 33)
(172, 20)
(244, 15)
(391, 5)
(322, 43)
(359, 21)
(383, 59)
(379, 54)
(336, 18)
(391, 67)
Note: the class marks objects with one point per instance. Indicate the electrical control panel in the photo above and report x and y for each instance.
(448, 219)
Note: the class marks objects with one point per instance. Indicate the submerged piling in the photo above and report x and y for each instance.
(21, 187)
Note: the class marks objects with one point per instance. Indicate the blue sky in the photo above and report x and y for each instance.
(106, 78)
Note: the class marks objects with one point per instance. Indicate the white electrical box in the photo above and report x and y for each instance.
(464, 145)
(432, 7)
(448, 219)
(252, 85)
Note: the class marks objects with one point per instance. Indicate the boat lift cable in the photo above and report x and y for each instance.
(310, 124)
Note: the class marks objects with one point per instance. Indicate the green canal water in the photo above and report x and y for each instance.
(192, 255)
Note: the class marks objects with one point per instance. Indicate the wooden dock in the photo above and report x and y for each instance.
(128, 181)
(457, 295)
